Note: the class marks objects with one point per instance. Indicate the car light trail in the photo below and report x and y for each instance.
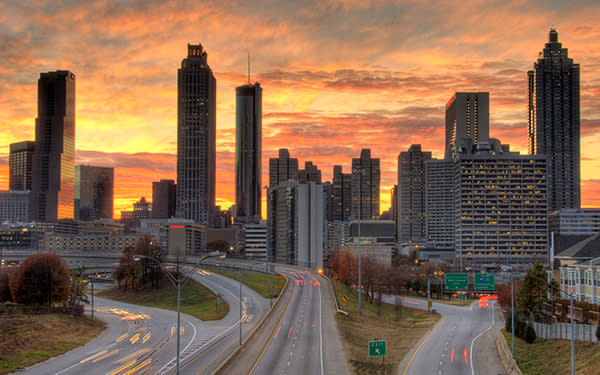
(452, 356)
(122, 368)
(138, 367)
(277, 332)
(106, 356)
(93, 356)
(290, 332)
(466, 362)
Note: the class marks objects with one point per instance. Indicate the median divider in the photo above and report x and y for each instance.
(234, 364)
(334, 297)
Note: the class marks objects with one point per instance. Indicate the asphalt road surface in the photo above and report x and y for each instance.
(461, 343)
(142, 340)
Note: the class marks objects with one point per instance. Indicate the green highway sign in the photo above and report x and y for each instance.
(484, 281)
(457, 281)
(377, 348)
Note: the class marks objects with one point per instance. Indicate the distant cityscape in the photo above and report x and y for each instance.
(479, 207)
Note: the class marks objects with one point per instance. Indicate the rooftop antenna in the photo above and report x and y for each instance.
(248, 67)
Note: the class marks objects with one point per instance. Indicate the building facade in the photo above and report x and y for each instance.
(14, 206)
(94, 192)
(310, 173)
(342, 195)
(20, 162)
(295, 224)
(248, 152)
(196, 137)
(501, 213)
(282, 168)
(53, 166)
(467, 117)
(164, 199)
(439, 203)
(554, 121)
(411, 194)
(575, 221)
(366, 177)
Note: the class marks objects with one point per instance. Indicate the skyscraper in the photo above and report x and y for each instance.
(411, 194)
(342, 195)
(467, 118)
(164, 199)
(248, 151)
(94, 192)
(310, 173)
(196, 137)
(554, 121)
(366, 177)
(282, 169)
(53, 168)
(19, 161)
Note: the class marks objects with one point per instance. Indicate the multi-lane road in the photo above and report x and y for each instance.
(461, 343)
(142, 340)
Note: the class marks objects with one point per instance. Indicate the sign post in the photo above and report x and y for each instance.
(378, 348)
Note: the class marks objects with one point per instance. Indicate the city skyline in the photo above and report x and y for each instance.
(382, 85)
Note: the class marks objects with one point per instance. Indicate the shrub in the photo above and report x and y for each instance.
(598, 333)
(529, 334)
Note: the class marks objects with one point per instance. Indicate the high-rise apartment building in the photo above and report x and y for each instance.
(467, 117)
(341, 206)
(554, 121)
(196, 137)
(94, 192)
(411, 194)
(366, 176)
(282, 169)
(53, 167)
(248, 152)
(439, 203)
(500, 207)
(164, 199)
(19, 162)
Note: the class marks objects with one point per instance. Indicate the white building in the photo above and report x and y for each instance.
(295, 224)
(575, 221)
(255, 240)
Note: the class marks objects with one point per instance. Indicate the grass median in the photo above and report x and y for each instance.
(266, 284)
(29, 339)
(553, 357)
(401, 328)
(196, 299)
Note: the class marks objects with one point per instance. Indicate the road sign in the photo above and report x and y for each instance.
(377, 348)
(457, 281)
(345, 298)
(484, 281)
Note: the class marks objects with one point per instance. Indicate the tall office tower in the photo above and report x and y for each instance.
(295, 224)
(53, 167)
(196, 137)
(282, 169)
(19, 162)
(411, 194)
(439, 203)
(164, 199)
(554, 121)
(248, 151)
(394, 208)
(500, 206)
(94, 192)
(467, 117)
(366, 177)
(342, 195)
(310, 173)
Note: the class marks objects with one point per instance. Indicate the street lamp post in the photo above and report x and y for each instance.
(359, 260)
(177, 283)
(241, 277)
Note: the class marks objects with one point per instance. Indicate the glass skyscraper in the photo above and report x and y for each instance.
(53, 167)
(554, 121)
(196, 137)
(248, 151)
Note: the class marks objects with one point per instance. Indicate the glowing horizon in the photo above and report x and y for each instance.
(337, 76)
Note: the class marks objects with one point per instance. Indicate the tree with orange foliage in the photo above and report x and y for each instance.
(42, 278)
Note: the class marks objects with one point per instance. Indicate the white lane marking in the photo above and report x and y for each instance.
(321, 331)
(478, 336)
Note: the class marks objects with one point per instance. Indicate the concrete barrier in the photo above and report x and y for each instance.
(506, 356)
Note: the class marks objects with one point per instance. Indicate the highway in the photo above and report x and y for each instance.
(461, 343)
(305, 341)
(142, 340)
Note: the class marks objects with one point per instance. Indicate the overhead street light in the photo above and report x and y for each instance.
(178, 284)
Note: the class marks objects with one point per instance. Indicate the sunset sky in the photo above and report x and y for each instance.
(337, 76)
